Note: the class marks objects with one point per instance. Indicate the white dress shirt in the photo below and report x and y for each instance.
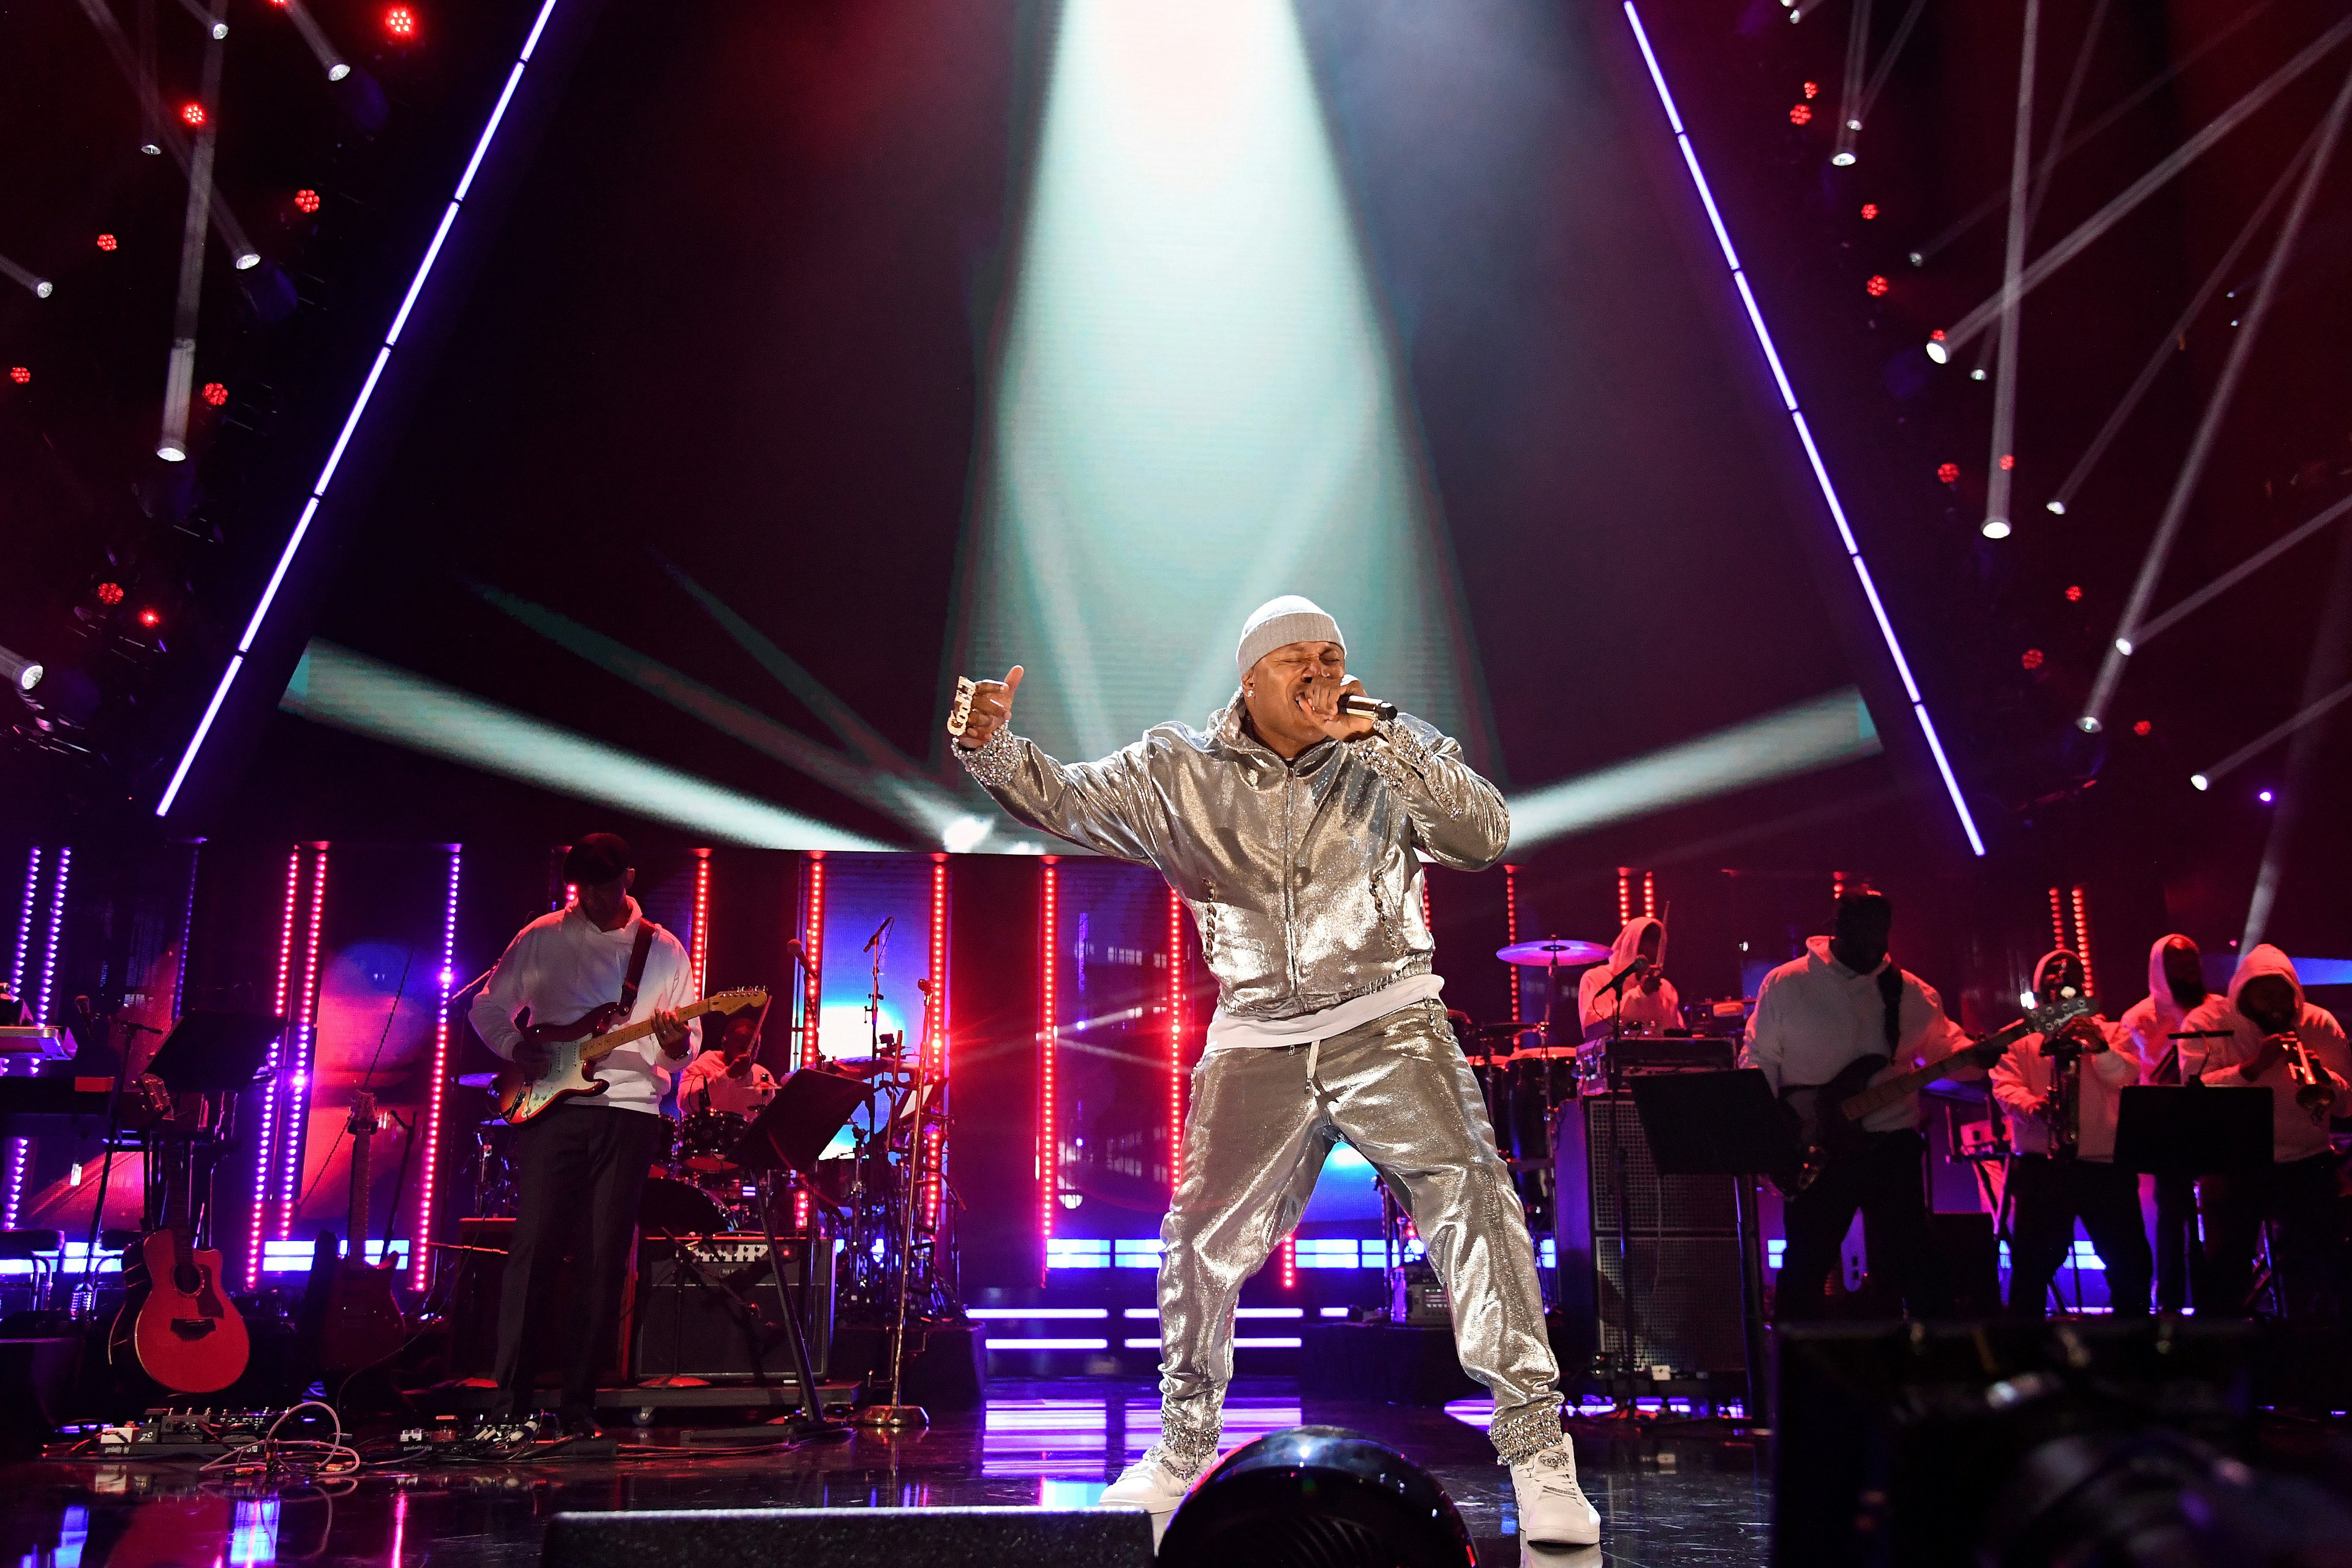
(1813, 1016)
(561, 966)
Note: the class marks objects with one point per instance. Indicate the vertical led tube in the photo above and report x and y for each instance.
(20, 1150)
(1049, 1147)
(25, 923)
(935, 1037)
(1175, 1040)
(2083, 938)
(811, 986)
(1625, 895)
(1511, 931)
(1289, 1262)
(297, 1098)
(420, 1256)
(2057, 918)
(265, 1157)
(701, 919)
(1650, 894)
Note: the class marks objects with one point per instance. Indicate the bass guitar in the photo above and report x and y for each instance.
(362, 1323)
(182, 1325)
(575, 1048)
(1829, 1116)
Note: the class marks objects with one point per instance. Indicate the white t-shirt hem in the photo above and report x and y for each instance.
(1229, 1033)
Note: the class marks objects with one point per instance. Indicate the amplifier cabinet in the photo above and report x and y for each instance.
(1682, 1310)
(707, 1306)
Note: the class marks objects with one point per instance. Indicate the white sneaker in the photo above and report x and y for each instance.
(1552, 1509)
(1149, 1484)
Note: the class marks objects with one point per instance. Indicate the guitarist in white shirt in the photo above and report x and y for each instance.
(1843, 1000)
(582, 1164)
(2062, 1122)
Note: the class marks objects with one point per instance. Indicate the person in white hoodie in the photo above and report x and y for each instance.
(1843, 1000)
(1615, 993)
(2176, 987)
(2060, 1095)
(2267, 1017)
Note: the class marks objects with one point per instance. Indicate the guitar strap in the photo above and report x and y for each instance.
(637, 974)
(1890, 994)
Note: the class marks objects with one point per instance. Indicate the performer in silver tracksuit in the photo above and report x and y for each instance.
(1295, 832)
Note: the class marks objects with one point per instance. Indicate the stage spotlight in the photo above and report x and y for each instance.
(2123, 647)
(246, 260)
(216, 393)
(1812, 90)
(2264, 796)
(306, 201)
(172, 452)
(400, 22)
(20, 672)
(2142, 727)
(2089, 724)
(1800, 115)
(2073, 593)
(2057, 508)
(1322, 1495)
(2200, 782)
(1878, 286)
(2008, 462)
(1936, 350)
(1842, 160)
(193, 112)
(105, 242)
(338, 71)
(150, 619)
(1995, 528)
(110, 593)
(19, 374)
(1977, 374)
(1948, 472)
(1869, 211)
(2031, 659)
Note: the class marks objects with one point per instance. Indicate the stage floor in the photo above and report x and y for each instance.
(1668, 1495)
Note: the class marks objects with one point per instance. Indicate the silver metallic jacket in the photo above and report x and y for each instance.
(1302, 876)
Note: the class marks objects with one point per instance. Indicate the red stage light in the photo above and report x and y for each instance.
(105, 242)
(2074, 593)
(216, 393)
(149, 619)
(1812, 90)
(1800, 115)
(1937, 336)
(306, 201)
(1877, 285)
(1869, 210)
(194, 113)
(19, 374)
(2007, 462)
(2142, 727)
(1948, 472)
(110, 593)
(400, 21)
(2032, 659)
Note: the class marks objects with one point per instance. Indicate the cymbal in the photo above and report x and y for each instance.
(1565, 952)
(477, 1080)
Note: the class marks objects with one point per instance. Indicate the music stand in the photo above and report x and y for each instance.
(2193, 1130)
(1723, 1124)
(214, 1053)
(810, 1107)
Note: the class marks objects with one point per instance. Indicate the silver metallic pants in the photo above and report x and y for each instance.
(1263, 1119)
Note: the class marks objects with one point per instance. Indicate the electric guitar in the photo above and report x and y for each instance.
(181, 1323)
(1829, 1116)
(575, 1048)
(362, 1323)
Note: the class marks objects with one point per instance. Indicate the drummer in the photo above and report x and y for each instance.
(728, 1079)
(1636, 971)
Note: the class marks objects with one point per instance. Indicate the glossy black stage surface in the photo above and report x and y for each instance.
(1670, 1493)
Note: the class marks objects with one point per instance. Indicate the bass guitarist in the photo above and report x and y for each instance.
(1815, 1015)
(582, 1164)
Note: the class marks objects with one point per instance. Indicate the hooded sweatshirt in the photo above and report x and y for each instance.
(1813, 1016)
(1644, 1008)
(2155, 1019)
(2295, 1134)
(2022, 1080)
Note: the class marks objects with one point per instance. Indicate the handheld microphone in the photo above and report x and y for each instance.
(1361, 706)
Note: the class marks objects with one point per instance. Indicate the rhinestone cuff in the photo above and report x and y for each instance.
(1525, 1432)
(994, 763)
(1185, 1448)
(1400, 758)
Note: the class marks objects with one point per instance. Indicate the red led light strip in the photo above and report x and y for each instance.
(306, 1030)
(1175, 1040)
(264, 1159)
(1649, 894)
(702, 918)
(422, 1232)
(2057, 918)
(812, 988)
(2083, 937)
(1049, 1148)
(935, 1037)
(1624, 896)
(1290, 1263)
(1511, 928)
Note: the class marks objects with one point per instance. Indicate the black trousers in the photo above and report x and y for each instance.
(1883, 1184)
(2179, 1256)
(2047, 1196)
(581, 1174)
(2299, 1197)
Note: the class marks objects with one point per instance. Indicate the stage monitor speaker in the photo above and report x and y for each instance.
(851, 1538)
(1672, 1300)
(707, 1308)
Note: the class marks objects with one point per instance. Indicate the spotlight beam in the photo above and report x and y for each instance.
(37, 286)
(231, 233)
(1886, 61)
(180, 374)
(2238, 574)
(333, 685)
(2200, 445)
(2004, 393)
(2273, 735)
(2067, 101)
(1849, 109)
(2058, 152)
(1805, 436)
(322, 47)
(2149, 183)
(2168, 345)
(1807, 738)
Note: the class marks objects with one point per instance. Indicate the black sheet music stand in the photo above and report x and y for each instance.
(786, 1138)
(1723, 1124)
(2193, 1130)
(214, 1053)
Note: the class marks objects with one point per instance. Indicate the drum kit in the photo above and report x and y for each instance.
(1529, 1070)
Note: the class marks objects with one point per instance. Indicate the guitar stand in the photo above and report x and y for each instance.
(810, 1425)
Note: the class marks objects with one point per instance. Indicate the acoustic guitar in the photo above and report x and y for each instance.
(574, 1048)
(362, 1323)
(1829, 1116)
(184, 1328)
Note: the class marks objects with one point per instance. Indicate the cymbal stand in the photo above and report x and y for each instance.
(1627, 1347)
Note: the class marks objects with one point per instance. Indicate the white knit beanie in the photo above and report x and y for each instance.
(1286, 620)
